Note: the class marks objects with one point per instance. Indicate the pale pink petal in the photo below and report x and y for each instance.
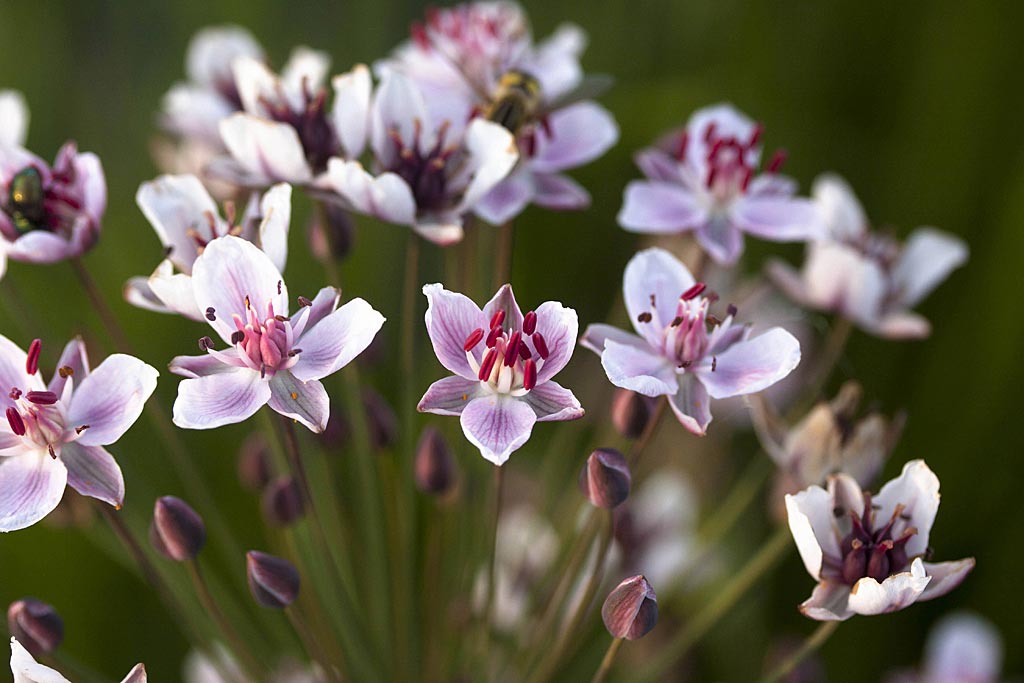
(507, 199)
(40, 246)
(14, 118)
(900, 325)
(31, 486)
(595, 336)
(497, 425)
(691, 404)
(659, 207)
(927, 259)
(442, 230)
(255, 82)
(110, 399)
(323, 304)
(269, 151)
(840, 210)
(449, 396)
(828, 602)
(721, 239)
(208, 364)
(174, 291)
(451, 317)
(492, 154)
(658, 274)
(386, 196)
(138, 293)
(305, 401)
(505, 300)
(12, 371)
(656, 164)
(752, 365)
(193, 113)
(177, 205)
(553, 403)
(335, 340)
(351, 111)
(555, 60)
(917, 489)
(945, 576)
(276, 213)
(894, 593)
(93, 472)
(560, 327)
(397, 106)
(559, 193)
(728, 122)
(638, 369)
(136, 675)
(580, 133)
(94, 197)
(212, 50)
(305, 68)
(74, 358)
(779, 219)
(963, 648)
(10, 443)
(810, 514)
(220, 399)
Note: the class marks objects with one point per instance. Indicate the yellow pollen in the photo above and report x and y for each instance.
(295, 396)
(465, 396)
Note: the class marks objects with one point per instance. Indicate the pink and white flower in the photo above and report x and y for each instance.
(868, 277)
(274, 359)
(186, 220)
(458, 57)
(54, 434)
(680, 349)
(866, 552)
(49, 214)
(704, 180)
(961, 648)
(503, 363)
(13, 119)
(428, 178)
(27, 670)
(286, 132)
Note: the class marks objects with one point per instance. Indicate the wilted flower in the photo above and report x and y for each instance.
(273, 581)
(274, 359)
(28, 670)
(36, 625)
(631, 610)
(429, 176)
(186, 220)
(177, 531)
(49, 214)
(961, 648)
(683, 351)
(867, 552)
(503, 363)
(54, 434)
(703, 180)
(13, 119)
(867, 277)
(286, 132)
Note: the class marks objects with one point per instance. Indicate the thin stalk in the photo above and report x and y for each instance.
(503, 255)
(813, 642)
(100, 304)
(740, 496)
(609, 659)
(134, 548)
(240, 649)
(723, 601)
(648, 434)
(492, 589)
(831, 352)
(65, 663)
(312, 645)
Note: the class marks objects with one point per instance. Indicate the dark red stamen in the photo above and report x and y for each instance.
(492, 336)
(17, 424)
(540, 345)
(513, 348)
(211, 314)
(778, 159)
(205, 343)
(694, 292)
(755, 136)
(709, 133)
(488, 365)
(473, 339)
(530, 323)
(42, 398)
(529, 374)
(15, 394)
(237, 337)
(32, 361)
(66, 371)
(645, 317)
(684, 141)
(303, 301)
(498, 318)
(731, 309)
(524, 352)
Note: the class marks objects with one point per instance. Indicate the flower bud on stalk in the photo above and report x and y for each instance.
(273, 581)
(254, 470)
(177, 531)
(331, 233)
(283, 504)
(631, 412)
(605, 479)
(631, 610)
(434, 465)
(381, 420)
(36, 625)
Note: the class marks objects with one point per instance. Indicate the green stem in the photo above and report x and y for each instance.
(313, 647)
(492, 589)
(831, 352)
(238, 645)
(813, 642)
(606, 663)
(503, 255)
(740, 496)
(648, 434)
(82, 673)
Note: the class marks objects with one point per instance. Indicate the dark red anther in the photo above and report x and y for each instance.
(42, 398)
(498, 318)
(512, 350)
(714, 363)
(530, 322)
(778, 159)
(540, 345)
(755, 136)
(205, 343)
(731, 310)
(211, 314)
(492, 337)
(15, 394)
(473, 339)
(32, 361)
(524, 352)
(488, 365)
(237, 337)
(529, 374)
(748, 173)
(709, 132)
(17, 424)
(303, 301)
(645, 317)
(529, 143)
(694, 292)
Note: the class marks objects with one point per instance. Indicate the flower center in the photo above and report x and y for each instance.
(686, 338)
(264, 344)
(35, 206)
(38, 417)
(508, 366)
(876, 553)
(426, 173)
(310, 121)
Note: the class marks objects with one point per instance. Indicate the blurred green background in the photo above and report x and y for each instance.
(915, 103)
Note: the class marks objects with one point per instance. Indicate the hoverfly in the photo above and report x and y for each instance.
(25, 199)
(518, 99)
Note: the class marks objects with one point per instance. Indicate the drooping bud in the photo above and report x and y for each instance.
(631, 610)
(177, 531)
(605, 478)
(283, 504)
(36, 625)
(434, 464)
(273, 581)
(631, 412)
(381, 420)
(254, 471)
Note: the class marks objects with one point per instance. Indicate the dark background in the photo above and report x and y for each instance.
(917, 104)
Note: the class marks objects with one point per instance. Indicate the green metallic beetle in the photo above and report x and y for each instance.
(25, 200)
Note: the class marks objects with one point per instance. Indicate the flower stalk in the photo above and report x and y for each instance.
(809, 647)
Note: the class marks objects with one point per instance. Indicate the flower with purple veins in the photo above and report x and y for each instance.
(186, 220)
(274, 358)
(429, 178)
(286, 131)
(54, 434)
(704, 180)
(867, 552)
(503, 363)
(868, 277)
(681, 350)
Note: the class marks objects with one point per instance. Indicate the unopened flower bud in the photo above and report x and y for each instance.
(36, 625)
(273, 581)
(631, 610)
(631, 412)
(605, 478)
(254, 471)
(381, 420)
(283, 504)
(331, 233)
(177, 531)
(435, 466)
(336, 433)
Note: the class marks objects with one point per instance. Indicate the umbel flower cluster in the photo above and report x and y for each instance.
(408, 558)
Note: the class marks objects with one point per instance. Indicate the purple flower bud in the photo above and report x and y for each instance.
(177, 531)
(383, 424)
(605, 478)
(331, 233)
(283, 504)
(273, 581)
(631, 412)
(631, 610)
(435, 466)
(336, 434)
(36, 625)
(254, 471)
